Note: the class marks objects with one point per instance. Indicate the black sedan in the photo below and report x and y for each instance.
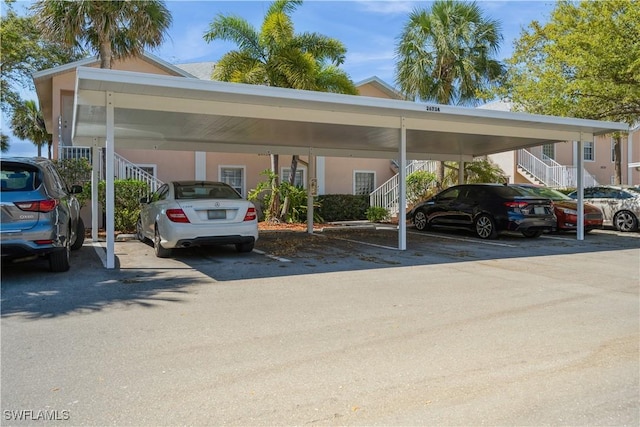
(486, 209)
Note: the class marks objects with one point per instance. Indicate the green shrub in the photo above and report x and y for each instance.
(377, 214)
(343, 207)
(420, 186)
(127, 194)
(76, 172)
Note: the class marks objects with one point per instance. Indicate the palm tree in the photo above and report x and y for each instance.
(276, 56)
(27, 123)
(445, 55)
(113, 29)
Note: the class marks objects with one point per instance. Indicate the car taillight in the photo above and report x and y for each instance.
(38, 206)
(516, 205)
(177, 215)
(250, 215)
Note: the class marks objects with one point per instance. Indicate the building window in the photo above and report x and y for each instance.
(589, 152)
(364, 182)
(299, 180)
(234, 176)
(549, 150)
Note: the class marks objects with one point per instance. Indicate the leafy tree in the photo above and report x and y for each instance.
(585, 63)
(276, 56)
(445, 54)
(113, 29)
(4, 143)
(24, 52)
(27, 123)
(477, 171)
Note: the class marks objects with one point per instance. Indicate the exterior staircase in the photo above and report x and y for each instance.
(123, 168)
(387, 195)
(543, 170)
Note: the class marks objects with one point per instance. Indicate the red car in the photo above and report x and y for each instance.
(566, 208)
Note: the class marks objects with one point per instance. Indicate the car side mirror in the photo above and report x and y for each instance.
(144, 200)
(76, 189)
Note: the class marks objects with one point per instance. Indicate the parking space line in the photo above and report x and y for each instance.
(365, 243)
(277, 258)
(482, 242)
(100, 250)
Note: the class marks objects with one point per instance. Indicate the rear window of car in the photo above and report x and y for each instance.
(507, 192)
(205, 191)
(19, 177)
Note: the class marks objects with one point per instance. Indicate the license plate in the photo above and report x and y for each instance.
(217, 214)
(539, 210)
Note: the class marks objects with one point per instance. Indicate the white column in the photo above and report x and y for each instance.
(311, 189)
(629, 157)
(320, 174)
(201, 166)
(402, 176)
(109, 172)
(579, 177)
(95, 179)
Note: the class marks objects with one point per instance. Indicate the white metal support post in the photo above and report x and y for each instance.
(109, 172)
(580, 178)
(311, 190)
(402, 202)
(95, 179)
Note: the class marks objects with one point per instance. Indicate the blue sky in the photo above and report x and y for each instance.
(368, 28)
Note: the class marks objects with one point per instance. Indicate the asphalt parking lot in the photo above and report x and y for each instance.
(337, 328)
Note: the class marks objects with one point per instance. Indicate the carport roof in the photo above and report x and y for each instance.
(176, 113)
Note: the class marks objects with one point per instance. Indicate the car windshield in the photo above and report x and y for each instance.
(547, 193)
(205, 190)
(19, 177)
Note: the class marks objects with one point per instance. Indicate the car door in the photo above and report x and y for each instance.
(442, 209)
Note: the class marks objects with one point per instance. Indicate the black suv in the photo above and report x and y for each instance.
(487, 209)
(40, 216)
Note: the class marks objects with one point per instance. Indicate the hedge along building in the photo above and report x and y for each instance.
(154, 112)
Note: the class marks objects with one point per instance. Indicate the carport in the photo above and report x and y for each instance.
(149, 111)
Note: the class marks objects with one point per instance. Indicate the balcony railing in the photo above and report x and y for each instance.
(551, 173)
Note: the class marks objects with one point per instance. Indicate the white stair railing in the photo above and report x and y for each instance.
(123, 168)
(551, 173)
(387, 195)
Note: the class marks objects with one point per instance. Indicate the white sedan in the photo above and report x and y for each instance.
(181, 214)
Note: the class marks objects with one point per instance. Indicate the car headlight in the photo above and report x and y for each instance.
(570, 211)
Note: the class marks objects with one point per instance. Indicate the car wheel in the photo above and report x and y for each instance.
(157, 246)
(420, 220)
(244, 247)
(139, 234)
(486, 227)
(532, 234)
(59, 260)
(625, 221)
(78, 242)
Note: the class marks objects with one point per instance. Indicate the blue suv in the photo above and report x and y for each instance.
(40, 216)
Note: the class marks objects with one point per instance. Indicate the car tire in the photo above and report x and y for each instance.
(485, 227)
(157, 246)
(79, 241)
(244, 247)
(625, 221)
(139, 234)
(59, 260)
(420, 220)
(532, 234)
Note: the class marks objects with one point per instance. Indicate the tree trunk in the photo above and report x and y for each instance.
(292, 179)
(274, 206)
(617, 159)
(440, 175)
